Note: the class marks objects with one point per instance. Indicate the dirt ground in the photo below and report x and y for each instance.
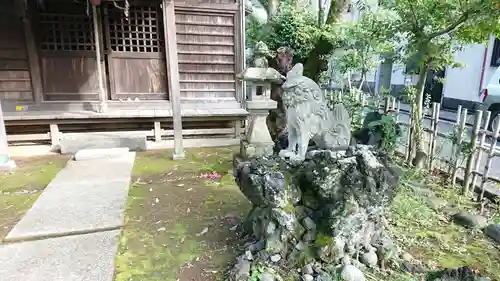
(20, 188)
(181, 217)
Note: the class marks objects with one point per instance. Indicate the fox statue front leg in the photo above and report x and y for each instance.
(303, 136)
(292, 143)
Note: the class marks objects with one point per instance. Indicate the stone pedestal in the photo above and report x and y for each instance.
(258, 141)
(6, 164)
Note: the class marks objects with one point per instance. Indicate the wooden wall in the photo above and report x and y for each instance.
(207, 50)
(15, 82)
(136, 52)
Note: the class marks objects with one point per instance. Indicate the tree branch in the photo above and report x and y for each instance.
(452, 26)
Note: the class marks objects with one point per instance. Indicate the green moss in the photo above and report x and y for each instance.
(196, 160)
(32, 174)
(20, 188)
(305, 257)
(323, 239)
(168, 211)
(289, 208)
(428, 238)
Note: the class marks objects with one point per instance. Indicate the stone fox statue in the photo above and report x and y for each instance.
(308, 117)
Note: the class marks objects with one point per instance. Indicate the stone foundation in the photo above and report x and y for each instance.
(324, 216)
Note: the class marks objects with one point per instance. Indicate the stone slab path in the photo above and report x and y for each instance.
(71, 232)
(88, 257)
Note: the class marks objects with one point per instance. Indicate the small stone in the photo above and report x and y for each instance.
(275, 258)
(309, 224)
(301, 246)
(309, 236)
(307, 269)
(436, 203)
(248, 255)
(352, 273)
(241, 271)
(323, 276)
(407, 257)
(317, 267)
(420, 189)
(469, 220)
(450, 211)
(307, 277)
(266, 277)
(370, 258)
(493, 231)
(358, 264)
(271, 227)
(257, 246)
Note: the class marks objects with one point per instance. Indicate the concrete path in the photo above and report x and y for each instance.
(71, 232)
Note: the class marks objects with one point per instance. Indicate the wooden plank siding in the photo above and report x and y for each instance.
(206, 52)
(15, 81)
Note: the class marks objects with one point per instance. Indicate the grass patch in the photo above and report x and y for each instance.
(20, 188)
(430, 237)
(179, 221)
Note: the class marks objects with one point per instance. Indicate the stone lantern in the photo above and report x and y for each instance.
(257, 140)
(6, 164)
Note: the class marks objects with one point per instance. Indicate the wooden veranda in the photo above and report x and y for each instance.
(158, 62)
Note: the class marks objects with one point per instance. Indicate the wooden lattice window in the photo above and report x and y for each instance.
(69, 29)
(141, 32)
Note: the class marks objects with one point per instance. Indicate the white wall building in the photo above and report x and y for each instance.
(461, 85)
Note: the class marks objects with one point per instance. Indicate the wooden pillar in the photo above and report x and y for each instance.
(172, 63)
(32, 50)
(6, 164)
(100, 71)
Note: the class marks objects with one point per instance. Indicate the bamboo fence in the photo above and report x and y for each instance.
(469, 145)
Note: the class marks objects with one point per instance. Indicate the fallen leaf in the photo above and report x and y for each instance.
(203, 232)
(161, 229)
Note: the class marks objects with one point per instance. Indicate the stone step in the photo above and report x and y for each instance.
(88, 257)
(100, 153)
(72, 143)
(85, 196)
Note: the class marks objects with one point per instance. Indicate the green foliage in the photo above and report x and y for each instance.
(258, 270)
(352, 102)
(362, 44)
(389, 130)
(292, 27)
(363, 40)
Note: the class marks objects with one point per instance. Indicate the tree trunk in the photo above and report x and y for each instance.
(337, 7)
(272, 7)
(385, 73)
(417, 147)
(321, 13)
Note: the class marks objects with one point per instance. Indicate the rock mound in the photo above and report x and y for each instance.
(325, 215)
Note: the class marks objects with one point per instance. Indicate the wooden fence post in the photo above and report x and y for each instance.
(453, 144)
(491, 154)
(387, 104)
(482, 140)
(470, 158)
(398, 109)
(408, 137)
(458, 144)
(436, 107)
